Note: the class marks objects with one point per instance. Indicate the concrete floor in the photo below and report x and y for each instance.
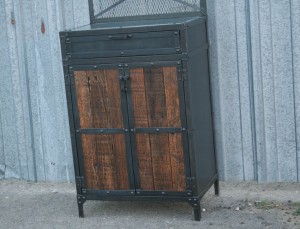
(240, 205)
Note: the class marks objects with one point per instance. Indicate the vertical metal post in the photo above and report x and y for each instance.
(91, 10)
(203, 7)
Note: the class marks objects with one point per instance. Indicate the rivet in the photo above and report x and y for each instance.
(152, 64)
(132, 192)
(195, 199)
(176, 33)
(126, 65)
(108, 192)
(157, 130)
(178, 63)
(195, 204)
(177, 50)
(190, 199)
(71, 67)
(120, 65)
(101, 131)
(163, 193)
(138, 193)
(122, 53)
(95, 66)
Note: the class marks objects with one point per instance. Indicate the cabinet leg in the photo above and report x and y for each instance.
(80, 202)
(217, 190)
(197, 213)
(195, 202)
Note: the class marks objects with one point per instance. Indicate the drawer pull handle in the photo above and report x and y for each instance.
(120, 37)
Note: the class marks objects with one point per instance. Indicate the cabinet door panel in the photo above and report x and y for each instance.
(155, 97)
(99, 99)
(105, 164)
(156, 104)
(100, 119)
(161, 162)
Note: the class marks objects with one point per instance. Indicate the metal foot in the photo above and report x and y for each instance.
(195, 202)
(80, 202)
(217, 190)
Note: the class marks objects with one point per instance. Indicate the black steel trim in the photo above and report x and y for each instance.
(110, 192)
(139, 198)
(188, 193)
(96, 66)
(91, 11)
(180, 78)
(130, 165)
(158, 130)
(148, 17)
(134, 52)
(72, 128)
(103, 131)
(76, 124)
(190, 137)
(131, 126)
(161, 63)
(132, 59)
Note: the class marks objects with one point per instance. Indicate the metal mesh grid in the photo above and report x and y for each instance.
(129, 8)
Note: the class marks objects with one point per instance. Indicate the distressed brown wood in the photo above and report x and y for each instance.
(105, 163)
(173, 117)
(98, 99)
(156, 104)
(141, 120)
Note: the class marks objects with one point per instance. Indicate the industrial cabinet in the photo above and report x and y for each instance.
(139, 103)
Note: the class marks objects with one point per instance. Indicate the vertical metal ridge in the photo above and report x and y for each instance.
(251, 87)
(294, 94)
(239, 89)
(274, 94)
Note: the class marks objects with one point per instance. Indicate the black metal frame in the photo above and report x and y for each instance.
(198, 11)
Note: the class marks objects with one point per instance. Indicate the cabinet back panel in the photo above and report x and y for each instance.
(161, 162)
(105, 165)
(99, 98)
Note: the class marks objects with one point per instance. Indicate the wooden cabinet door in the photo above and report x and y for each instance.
(101, 123)
(156, 105)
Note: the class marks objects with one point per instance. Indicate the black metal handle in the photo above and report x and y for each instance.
(120, 37)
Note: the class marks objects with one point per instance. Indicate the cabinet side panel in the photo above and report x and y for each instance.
(105, 164)
(200, 120)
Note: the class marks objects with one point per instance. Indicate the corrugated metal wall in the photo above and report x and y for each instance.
(255, 65)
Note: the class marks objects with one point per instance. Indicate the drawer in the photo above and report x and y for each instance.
(123, 44)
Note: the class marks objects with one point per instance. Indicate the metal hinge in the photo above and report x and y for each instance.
(183, 74)
(191, 182)
(80, 182)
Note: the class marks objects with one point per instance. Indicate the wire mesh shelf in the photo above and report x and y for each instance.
(105, 9)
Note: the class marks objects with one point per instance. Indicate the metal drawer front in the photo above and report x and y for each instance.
(129, 44)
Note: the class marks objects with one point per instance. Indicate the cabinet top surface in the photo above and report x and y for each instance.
(136, 24)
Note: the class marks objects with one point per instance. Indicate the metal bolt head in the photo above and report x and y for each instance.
(95, 67)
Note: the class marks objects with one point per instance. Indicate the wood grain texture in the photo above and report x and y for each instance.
(141, 120)
(105, 163)
(173, 117)
(156, 104)
(98, 99)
